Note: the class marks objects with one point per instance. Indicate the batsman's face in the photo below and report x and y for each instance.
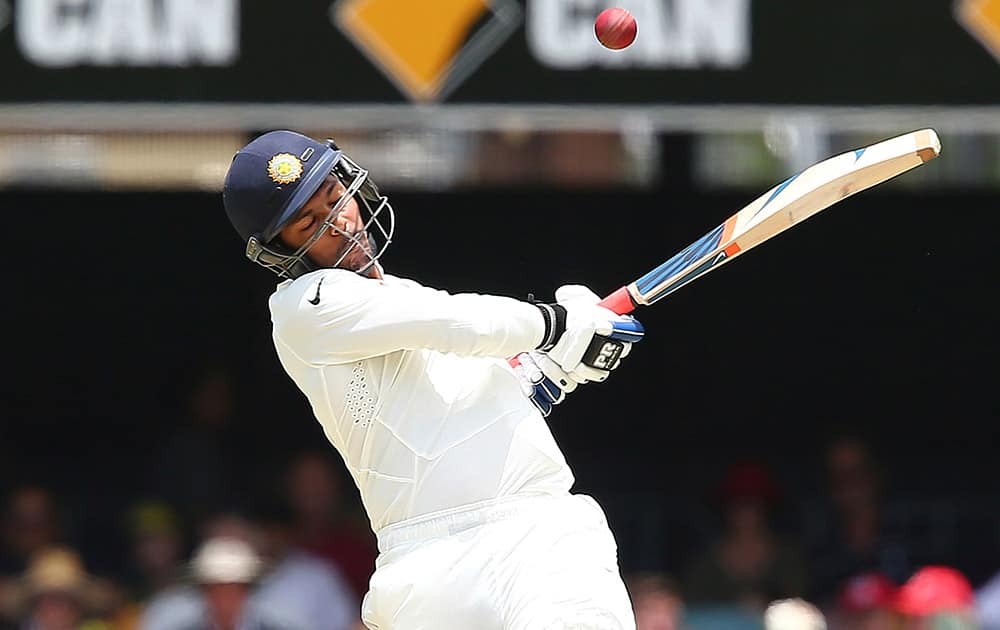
(333, 244)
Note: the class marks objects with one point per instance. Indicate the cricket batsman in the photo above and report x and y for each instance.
(466, 490)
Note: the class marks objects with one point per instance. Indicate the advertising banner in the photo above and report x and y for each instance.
(853, 52)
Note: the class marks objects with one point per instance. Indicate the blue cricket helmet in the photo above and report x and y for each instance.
(273, 176)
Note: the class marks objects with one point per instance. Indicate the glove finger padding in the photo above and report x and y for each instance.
(549, 380)
(523, 377)
(554, 373)
(542, 381)
(588, 374)
(576, 293)
(583, 320)
(528, 373)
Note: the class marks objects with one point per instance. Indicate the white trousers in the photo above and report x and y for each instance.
(538, 563)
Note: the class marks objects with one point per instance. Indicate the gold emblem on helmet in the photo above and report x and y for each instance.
(284, 168)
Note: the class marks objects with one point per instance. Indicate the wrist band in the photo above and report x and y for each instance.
(555, 324)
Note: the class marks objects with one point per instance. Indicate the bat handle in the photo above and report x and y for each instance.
(620, 302)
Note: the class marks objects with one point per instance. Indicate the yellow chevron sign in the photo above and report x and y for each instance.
(427, 47)
(982, 19)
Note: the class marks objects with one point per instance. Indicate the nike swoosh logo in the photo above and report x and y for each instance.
(315, 300)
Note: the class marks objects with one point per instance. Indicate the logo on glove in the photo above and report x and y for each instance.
(603, 353)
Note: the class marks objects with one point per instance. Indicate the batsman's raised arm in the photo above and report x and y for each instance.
(358, 318)
(335, 316)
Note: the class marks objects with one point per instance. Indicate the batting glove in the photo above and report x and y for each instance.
(583, 338)
(542, 381)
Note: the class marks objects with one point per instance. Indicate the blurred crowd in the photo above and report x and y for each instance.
(296, 563)
(203, 550)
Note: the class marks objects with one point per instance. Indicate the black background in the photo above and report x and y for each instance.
(877, 314)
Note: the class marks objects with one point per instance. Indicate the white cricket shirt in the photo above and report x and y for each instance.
(412, 387)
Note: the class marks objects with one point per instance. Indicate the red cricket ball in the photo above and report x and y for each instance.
(615, 28)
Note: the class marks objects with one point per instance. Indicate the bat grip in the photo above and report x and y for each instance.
(619, 302)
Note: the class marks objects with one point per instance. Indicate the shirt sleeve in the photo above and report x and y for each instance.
(337, 316)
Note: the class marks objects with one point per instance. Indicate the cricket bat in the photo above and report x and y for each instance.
(790, 202)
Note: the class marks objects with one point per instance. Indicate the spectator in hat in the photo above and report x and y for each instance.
(937, 598)
(865, 602)
(309, 591)
(749, 565)
(225, 572)
(57, 593)
(176, 605)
